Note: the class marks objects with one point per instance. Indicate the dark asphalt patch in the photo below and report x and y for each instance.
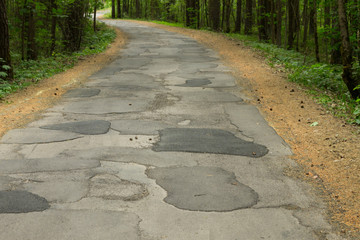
(82, 93)
(91, 127)
(204, 140)
(203, 188)
(195, 83)
(21, 202)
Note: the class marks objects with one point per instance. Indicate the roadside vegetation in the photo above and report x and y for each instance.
(45, 38)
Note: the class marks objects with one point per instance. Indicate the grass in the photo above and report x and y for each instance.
(31, 71)
(323, 81)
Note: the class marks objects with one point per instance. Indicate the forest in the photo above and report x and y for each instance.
(321, 38)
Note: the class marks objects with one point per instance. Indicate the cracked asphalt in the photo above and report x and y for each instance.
(157, 145)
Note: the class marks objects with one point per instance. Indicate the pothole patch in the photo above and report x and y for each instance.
(21, 202)
(203, 189)
(195, 83)
(91, 127)
(204, 140)
(111, 187)
(82, 93)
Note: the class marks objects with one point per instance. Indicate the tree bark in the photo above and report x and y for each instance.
(53, 27)
(346, 53)
(192, 11)
(4, 41)
(262, 21)
(227, 7)
(73, 27)
(316, 39)
(113, 9)
(94, 23)
(335, 57)
(248, 17)
(214, 14)
(118, 8)
(31, 53)
(291, 24)
(279, 17)
(238, 16)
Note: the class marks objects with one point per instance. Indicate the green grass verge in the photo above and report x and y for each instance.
(323, 81)
(30, 72)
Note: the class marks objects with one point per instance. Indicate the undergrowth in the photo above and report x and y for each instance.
(323, 81)
(31, 71)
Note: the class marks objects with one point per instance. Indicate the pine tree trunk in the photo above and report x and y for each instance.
(316, 39)
(214, 14)
(137, 9)
(335, 57)
(346, 53)
(291, 24)
(262, 21)
(248, 17)
(113, 9)
(95, 6)
(306, 23)
(53, 27)
(31, 52)
(238, 16)
(279, 17)
(118, 7)
(228, 6)
(4, 41)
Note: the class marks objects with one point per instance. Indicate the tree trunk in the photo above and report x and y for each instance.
(316, 39)
(238, 16)
(272, 22)
(335, 57)
(137, 9)
(95, 6)
(73, 27)
(279, 17)
(4, 41)
(291, 23)
(262, 21)
(327, 21)
(53, 27)
(31, 52)
(192, 11)
(214, 14)
(306, 23)
(248, 17)
(113, 9)
(346, 53)
(227, 7)
(118, 7)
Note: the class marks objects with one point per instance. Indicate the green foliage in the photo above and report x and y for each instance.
(323, 80)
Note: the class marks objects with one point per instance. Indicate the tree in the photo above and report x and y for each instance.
(214, 14)
(238, 16)
(4, 41)
(112, 8)
(73, 26)
(346, 52)
(248, 17)
(293, 20)
(279, 16)
(262, 22)
(118, 8)
(192, 11)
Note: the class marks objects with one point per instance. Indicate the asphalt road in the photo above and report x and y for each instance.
(157, 145)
